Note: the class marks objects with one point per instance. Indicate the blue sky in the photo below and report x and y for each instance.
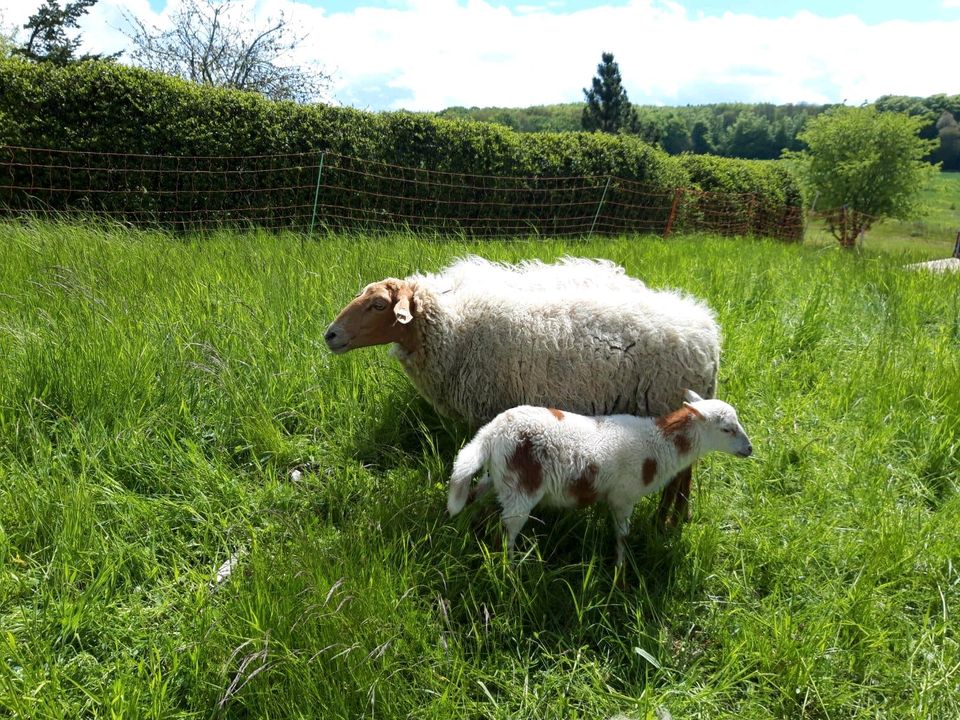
(871, 12)
(432, 54)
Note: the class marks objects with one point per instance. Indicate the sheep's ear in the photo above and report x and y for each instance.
(402, 309)
(692, 409)
(690, 396)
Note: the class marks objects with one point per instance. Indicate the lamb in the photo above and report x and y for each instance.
(534, 454)
(581, 335)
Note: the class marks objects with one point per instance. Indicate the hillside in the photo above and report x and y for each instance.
(756, 131)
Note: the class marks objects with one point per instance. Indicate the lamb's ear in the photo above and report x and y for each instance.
(692, 409)
(401, 309)
(690, 396)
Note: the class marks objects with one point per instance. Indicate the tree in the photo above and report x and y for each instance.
(865, 166)
(647, 124)
(48, 41)
(7, 39)
(948, 134)
(750, 137)
(701, 140)
(676, 134)
(211, 42)
(608, 108)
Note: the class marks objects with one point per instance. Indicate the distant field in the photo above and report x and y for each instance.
(168, 404)
(933, 235)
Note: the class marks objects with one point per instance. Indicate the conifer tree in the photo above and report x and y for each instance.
(608, 109)
(48, 41)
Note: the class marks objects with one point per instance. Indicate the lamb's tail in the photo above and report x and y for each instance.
(469, 461)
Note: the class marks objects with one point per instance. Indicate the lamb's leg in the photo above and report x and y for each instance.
(516, 511)
(513, 522)
(621, 527)
(480, 489)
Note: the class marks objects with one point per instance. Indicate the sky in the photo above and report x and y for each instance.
(433, 54)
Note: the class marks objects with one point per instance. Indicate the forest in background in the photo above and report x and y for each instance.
(759, 131)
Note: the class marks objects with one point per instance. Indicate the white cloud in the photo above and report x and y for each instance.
(431, 54)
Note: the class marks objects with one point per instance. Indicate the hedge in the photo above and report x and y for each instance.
(168, 123)
(764, 191)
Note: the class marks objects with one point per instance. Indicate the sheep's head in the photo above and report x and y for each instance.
(382, 313)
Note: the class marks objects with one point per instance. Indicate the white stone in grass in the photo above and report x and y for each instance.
(937, 266)
(296, 475)
(225, 570)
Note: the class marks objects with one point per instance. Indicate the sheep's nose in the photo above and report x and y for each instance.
(331, 335)
(749, 451)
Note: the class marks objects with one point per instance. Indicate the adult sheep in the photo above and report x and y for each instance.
(580, 335)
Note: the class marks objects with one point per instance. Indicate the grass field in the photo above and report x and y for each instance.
(931, 236)
(167, 405)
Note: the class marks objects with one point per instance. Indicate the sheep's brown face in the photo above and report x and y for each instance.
(380, 314)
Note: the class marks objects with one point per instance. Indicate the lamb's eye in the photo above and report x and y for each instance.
(379, 305)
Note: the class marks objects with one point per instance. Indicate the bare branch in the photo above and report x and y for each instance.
(208, 44)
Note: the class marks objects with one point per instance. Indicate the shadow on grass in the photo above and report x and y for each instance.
(410, 428)
(562, 592)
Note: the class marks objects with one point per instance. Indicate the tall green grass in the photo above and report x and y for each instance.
(167, 405)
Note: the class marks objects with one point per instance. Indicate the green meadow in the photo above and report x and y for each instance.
(930, 237)
(204, 514)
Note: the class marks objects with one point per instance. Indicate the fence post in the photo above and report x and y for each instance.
(673, 212)
(600, 205)
(316, 195)
(956, 247)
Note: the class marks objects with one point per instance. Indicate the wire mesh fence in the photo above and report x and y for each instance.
(310, 192)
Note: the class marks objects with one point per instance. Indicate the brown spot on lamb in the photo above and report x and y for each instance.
(526, 467)
(649, 470)
(676, 426)
(582, 489)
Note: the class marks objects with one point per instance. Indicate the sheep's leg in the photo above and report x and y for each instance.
(667, 499)
(681, 507)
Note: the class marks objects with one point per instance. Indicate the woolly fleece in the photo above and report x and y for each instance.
(579, 335)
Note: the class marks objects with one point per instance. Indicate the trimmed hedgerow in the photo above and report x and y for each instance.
(763, 195)
(170, 124)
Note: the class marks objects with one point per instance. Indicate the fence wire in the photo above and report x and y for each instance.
(307, 192)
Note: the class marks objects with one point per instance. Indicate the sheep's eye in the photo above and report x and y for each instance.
(379, 305)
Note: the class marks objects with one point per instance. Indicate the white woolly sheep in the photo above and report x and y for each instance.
(479, 337)
(534, 454)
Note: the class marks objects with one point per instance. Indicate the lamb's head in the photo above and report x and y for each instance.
(717, 426)
(382, 313)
